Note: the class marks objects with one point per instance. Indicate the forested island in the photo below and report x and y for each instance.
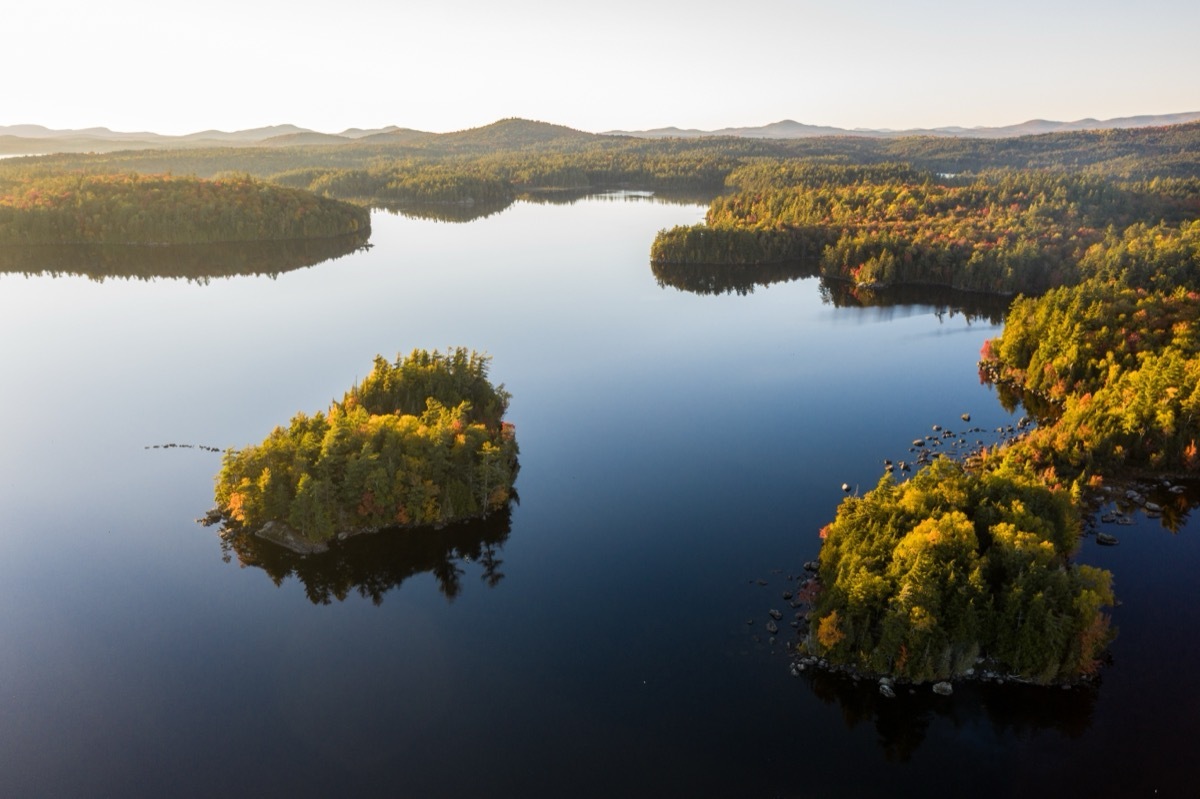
(419, 442)
(135, 209)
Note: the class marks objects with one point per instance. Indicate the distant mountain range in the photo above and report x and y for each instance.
(30, 139)
(36, 139)
(789, 129)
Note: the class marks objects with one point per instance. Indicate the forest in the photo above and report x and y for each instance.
(1000, 232)
(160, 209)
(972, 561)
(511, 157)
(419, 442)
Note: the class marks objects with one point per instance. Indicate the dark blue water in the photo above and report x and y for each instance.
(678, 449)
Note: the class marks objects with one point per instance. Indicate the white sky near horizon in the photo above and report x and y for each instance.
(156, 65)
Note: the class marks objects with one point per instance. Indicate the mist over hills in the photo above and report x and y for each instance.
(30, 139)
(38, 139)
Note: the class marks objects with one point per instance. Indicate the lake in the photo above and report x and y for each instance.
(679, 452)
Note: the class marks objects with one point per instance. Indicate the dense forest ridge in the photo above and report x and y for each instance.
(157, 210)
(37, 139)
(472, 173)
(419, 442)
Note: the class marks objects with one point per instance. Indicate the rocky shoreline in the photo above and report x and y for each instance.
(984, 671)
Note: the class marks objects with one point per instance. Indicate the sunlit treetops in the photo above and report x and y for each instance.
(1120, 368)
(922, 579)
(419, 442)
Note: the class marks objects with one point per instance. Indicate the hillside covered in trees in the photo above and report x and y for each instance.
(419, 442)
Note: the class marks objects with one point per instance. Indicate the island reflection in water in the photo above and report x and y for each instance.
(194, 262)
(469, 211)
(1009, 710)
(743, 279)
(373, 564)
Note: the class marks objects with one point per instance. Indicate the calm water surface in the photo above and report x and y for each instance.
(677, 450)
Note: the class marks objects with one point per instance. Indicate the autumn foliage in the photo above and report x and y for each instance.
(419, 442)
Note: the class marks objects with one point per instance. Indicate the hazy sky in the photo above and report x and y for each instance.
(231, 64)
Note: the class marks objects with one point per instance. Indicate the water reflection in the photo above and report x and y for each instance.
(1009, 710)
(718, 279)
(973, 306)
(481, 209)
(658, 196)
(1169, 503)
(447, 211)
(743, 279)
(194, 262)
(374, 564)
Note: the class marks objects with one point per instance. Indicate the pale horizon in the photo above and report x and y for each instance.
(135, 65)
(751, 124)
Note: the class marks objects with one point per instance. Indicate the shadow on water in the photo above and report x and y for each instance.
(1007, 710)
(744, 279)
(195, 262)
(460, 212)
(718, 279)
(618, 195)
(457, 212)
(374, 564)
(974, 306)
